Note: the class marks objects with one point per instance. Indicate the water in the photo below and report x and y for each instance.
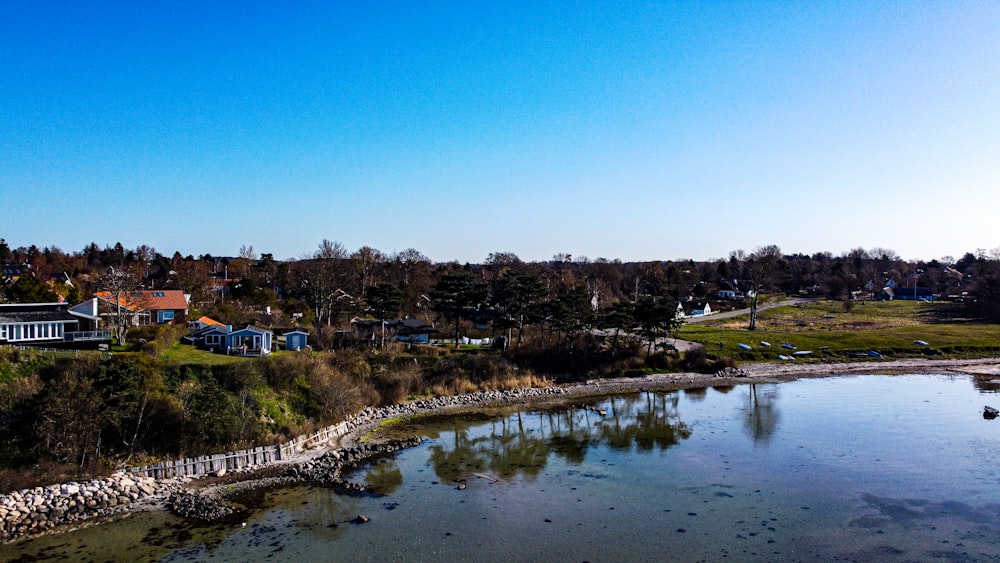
(881, 468)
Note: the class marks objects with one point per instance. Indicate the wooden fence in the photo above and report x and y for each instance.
(234, 461)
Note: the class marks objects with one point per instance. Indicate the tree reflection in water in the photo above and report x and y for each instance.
(760, 413)
(520, 445)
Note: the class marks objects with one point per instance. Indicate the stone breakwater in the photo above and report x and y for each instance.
(211, 504)
(32, 511)
(373, 415)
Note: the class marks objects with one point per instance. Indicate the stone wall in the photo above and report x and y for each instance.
(31, 511)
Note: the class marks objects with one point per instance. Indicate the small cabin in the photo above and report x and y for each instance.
(296, 340)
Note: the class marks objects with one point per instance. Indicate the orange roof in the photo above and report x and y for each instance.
(149, 299)
(209, 322)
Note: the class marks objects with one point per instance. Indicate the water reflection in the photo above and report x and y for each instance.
(646, 422)
(760, 412)
(987, 384)
(384, 477)
(876, 469)
(519, 444)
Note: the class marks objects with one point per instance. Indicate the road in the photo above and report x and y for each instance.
(738, 312)
(684, 346)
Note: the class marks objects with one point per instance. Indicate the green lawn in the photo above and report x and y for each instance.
(830, 332)
(185, 354)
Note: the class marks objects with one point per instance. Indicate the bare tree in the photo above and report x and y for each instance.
(366, 262)
(124, 303)
(320, 277)
(761, 267)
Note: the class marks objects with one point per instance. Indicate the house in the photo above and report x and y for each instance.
(413, 331)
(10, 273)
(152, 306)
(203, 322)
(730, 291)
(48, 324)
(249, 341)
(695, 308)
(296, 339)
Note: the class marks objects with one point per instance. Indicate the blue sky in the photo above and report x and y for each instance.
(628, 130)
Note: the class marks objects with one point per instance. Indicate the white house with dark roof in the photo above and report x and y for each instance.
(48, 324)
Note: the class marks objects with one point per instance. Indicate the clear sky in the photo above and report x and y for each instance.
(629, 130)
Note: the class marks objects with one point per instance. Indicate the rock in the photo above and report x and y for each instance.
(362, 519)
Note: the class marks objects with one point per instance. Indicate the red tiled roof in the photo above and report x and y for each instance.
(149, 299)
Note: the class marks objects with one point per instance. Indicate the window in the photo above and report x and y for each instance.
(213, 339)
(165, 316)
(3, 332)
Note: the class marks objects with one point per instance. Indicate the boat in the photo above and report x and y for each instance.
(745, 346)
(765, 344)
(785, 358)
(802, 353)
(788, 346)
(920, 343)
(990, 412)
(874, 354)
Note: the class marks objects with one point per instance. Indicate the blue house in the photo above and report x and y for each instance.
(296, 340)
(249, 341)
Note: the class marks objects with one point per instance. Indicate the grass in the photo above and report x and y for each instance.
(185, 354)
(831, 332)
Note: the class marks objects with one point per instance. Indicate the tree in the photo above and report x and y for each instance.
(656, 315)
(516, 298)
(366, 262)
(455, 295)
(29, 289)
(620, 315)
(987, 292)
(384, 301)
(319, 278)
(123, 305)
(411, 271)
(191, 276)
(761, 267)
(570, 311)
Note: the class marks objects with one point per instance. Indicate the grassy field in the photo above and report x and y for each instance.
(831, 332)
(184, 354)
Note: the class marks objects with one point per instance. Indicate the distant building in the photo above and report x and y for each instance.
(50, 325)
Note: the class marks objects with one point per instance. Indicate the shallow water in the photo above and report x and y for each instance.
(884, 468)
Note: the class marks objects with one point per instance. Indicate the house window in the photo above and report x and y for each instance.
(3, 332)
(213, 340)
(165, 316)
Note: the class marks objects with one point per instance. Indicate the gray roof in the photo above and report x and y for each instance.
(35, 313)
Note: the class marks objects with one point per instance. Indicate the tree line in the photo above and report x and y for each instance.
(331, 285)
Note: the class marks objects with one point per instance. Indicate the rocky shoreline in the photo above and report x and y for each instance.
(59, 507)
